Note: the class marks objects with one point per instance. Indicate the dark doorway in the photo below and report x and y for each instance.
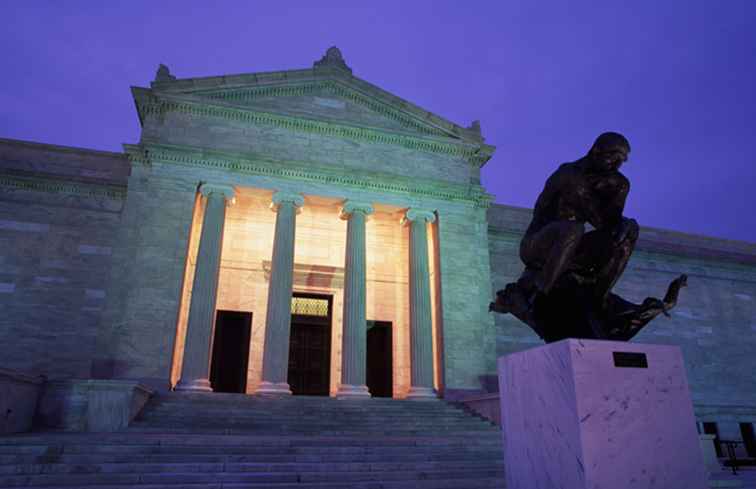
(379, 372)
(310, 345)
(228, 368)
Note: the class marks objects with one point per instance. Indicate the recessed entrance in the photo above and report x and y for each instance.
(379, 359)
(310, 345)
(228, 368)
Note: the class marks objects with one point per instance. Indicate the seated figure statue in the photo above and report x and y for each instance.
(565, 290)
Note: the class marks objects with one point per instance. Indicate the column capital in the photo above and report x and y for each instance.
(229, 193)
(415, 214)
(351, 206)
(292, 197)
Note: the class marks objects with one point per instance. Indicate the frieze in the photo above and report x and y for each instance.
(146, 154)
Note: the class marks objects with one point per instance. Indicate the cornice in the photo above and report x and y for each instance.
(58, 148)
(151, 103)
(62, 186)
(149, 152)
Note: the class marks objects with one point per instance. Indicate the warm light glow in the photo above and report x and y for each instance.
(320, 247)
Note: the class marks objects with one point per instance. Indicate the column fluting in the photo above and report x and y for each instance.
(200, 325)
(421, 334)
(278, 319)
(354, 335)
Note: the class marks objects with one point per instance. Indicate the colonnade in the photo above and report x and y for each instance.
(286, 205)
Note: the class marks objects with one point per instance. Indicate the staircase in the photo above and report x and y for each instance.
(237, 441)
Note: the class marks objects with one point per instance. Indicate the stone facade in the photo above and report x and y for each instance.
(60, 209)
(99, 250)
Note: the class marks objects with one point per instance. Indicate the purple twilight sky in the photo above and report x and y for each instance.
(678, 78)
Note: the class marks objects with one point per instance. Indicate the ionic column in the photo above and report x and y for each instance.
(354, 337)
(421, 338)
(278, 320)
(195, 368)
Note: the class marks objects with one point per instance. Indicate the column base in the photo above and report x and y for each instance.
(347, 391)
(194, 385)
(273, 389)
(421, 394)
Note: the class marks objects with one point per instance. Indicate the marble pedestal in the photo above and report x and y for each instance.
(581, 414)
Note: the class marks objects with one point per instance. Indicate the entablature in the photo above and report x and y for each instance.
(148, 153)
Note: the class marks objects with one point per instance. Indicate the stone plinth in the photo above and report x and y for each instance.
(18, 400)
(91, 405)
(588, 414)
(112, 404)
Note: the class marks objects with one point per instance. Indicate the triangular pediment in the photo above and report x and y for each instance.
(326, 100)
(328, 92)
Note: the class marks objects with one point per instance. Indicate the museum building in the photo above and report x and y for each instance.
(305, 232)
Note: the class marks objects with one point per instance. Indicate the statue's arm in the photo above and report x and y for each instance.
(605, 212)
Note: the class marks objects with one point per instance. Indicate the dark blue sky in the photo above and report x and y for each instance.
(678, 78)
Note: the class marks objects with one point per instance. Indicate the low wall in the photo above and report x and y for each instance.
(484, 405)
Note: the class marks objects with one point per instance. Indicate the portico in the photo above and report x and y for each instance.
(276, 243)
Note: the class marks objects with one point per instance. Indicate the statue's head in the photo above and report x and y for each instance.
(609, 151)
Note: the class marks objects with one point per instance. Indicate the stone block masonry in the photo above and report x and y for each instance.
(59, 212)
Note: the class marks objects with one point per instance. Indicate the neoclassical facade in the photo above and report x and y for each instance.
(306, 232)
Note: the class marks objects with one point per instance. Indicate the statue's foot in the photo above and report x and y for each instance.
(651, 308)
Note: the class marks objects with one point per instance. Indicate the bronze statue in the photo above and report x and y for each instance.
(566, 288)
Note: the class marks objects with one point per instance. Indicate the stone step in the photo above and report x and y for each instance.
(301, 456)
(324, 425)
(232, 453)
(265, 478)
(251, 413)
(295, 432)
(470, 483)
(227, 397)
(308, 414)
(322, 452)
(230, 440)
(203, 441)
(216, 467)
(330, 422)
(332, 405)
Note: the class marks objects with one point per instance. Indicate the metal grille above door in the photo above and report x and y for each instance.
(309, 306)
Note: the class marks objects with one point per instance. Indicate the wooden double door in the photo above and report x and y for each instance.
(310, 349)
